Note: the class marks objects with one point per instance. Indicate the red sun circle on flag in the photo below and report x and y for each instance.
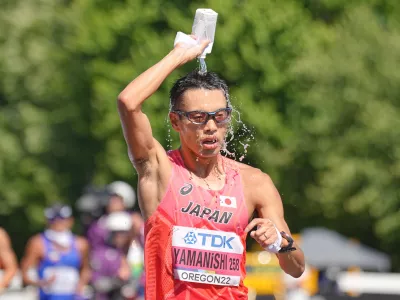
(228, 201)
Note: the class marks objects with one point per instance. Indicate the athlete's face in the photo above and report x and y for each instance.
(203, 134)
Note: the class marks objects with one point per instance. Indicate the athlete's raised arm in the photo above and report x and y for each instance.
(143, 148)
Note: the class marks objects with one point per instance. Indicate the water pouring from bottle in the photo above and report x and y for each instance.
(203, 66)
(239, 135)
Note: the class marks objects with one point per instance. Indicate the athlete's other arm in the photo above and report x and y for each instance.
(33, 254)
(146, 154)
(85, 271)
(268, 204)
(7, 259)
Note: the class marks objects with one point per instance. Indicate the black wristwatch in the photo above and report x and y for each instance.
(289, 247)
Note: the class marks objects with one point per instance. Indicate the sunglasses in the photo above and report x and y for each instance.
(199, 117)
(63, 212)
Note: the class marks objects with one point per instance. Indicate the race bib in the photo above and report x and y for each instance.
(65, 280)
(206, 256)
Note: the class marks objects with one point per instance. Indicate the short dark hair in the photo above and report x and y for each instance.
(196, 80)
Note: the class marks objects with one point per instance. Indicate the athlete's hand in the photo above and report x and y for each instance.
(265, 234)
(186, 52)
(47, 281)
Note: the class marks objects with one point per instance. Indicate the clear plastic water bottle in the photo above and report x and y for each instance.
(204, 24)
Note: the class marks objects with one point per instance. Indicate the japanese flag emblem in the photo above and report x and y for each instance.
(227, 201)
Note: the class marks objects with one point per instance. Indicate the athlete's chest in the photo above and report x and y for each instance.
(211, 212)
(191, 205)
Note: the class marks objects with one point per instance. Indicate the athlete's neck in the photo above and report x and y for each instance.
(203, 167)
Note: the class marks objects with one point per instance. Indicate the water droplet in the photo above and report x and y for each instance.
(169, 136)
(238, 136)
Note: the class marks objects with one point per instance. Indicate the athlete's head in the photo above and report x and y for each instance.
(59, 217)
(200, 112)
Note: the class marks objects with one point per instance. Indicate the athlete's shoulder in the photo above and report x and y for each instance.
(35, 244)
(252, 175)
(245, 168)
(36, 239)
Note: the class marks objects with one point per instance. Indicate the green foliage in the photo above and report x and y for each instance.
(314, 80)
(348, 95)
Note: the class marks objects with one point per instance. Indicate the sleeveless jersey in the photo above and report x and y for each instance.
(64, 266)
(195, 242)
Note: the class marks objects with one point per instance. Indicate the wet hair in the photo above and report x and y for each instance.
(196, 80)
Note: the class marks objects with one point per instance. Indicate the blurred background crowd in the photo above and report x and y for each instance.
(105, 262)
(315, 87)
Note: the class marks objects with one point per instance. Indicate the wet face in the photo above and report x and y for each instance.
(205, 140)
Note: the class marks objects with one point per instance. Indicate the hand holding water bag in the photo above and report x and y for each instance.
(203, 28)
(184, 39)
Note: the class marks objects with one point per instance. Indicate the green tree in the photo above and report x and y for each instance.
(345, 122)
(46, 152)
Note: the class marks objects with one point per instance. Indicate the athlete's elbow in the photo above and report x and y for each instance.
(296, 272)
(124, 97)
(293, 268)
(127, 102)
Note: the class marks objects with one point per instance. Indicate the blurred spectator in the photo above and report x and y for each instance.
(108, 260)
(97, 232)
(90, 206)
(111, 247)
(134, 249)
(60, 257)
(125, 191)
(8, 261)
(135, 255)
(116, 197)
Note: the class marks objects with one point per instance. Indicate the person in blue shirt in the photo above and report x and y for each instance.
(59, 256)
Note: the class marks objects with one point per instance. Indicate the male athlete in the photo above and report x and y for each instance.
(8, 260)
(196, 203)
